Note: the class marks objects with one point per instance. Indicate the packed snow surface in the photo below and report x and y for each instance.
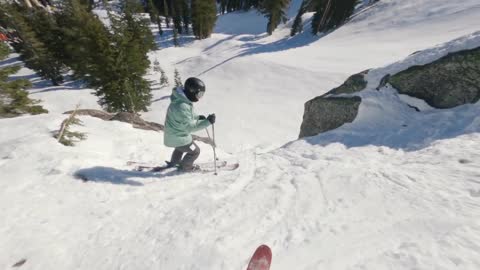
(395, 189)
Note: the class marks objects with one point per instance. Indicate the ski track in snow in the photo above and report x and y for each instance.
(324, 206)
(395, 189)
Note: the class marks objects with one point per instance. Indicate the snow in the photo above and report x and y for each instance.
(264, 71)
(395, 189)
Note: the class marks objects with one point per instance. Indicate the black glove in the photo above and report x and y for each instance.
(211, 118)
(202, 117)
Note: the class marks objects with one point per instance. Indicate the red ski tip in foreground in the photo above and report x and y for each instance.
(261, 259)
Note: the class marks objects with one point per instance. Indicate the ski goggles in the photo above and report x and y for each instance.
(199, 94)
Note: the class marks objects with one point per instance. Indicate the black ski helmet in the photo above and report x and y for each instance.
(194, 89)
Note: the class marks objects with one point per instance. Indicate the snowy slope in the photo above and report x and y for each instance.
(392, 190)
(387, 119)
(276, 74)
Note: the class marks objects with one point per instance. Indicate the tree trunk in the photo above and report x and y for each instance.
(325, 15)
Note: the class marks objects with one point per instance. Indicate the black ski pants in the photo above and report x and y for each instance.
(191, 151)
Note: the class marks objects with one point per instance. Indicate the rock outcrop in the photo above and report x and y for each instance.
(353, 84)
(448, 82)
(324, 114)
(331, 111)
(451, 81)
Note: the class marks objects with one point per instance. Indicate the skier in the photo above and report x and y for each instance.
(181, 121)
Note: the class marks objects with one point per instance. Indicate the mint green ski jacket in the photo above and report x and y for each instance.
(181, 121)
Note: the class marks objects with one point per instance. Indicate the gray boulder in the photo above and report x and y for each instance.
(446, 83)
(353, 84)
(327, 113)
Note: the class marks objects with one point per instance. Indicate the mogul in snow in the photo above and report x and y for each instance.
(181, 121)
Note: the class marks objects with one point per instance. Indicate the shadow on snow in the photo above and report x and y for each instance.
(119, 177)
(300, 40)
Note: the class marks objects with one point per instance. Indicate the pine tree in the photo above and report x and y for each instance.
(88, 4)
(86, 40)
(177, 24)
(297, 26)
(166, 13)
(151, 9)
(223, 5)
(125, 89)
(159, 24)
(4, 50)
(134, 6)
(321, 13)
(175, 37)
(330, 14)
(157, 19)
(49, 33)
(253, 3)
(274, 10)
(14, 99)
(33, 51)
(156, 66)
(342, 10)
(177, 14)
(178, 79)
(113, 61)
(163, 78)
(186, 16)
(203, 17)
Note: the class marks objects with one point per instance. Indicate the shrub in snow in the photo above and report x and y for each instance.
(163, 79)
(67, 137)
(178, 79)
(156, 66)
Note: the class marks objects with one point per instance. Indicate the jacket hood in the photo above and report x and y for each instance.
(178, 96)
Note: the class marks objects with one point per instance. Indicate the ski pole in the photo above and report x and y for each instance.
(213, 146)
(214, 152)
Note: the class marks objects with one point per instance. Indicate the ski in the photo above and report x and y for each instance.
(202, 167)
(209, 169)
(141, 166)
(261, 259)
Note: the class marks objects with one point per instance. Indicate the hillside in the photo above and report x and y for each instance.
(276, 74)
(392, 190)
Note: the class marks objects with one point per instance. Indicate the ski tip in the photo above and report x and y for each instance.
(261, 259)
(265, 247)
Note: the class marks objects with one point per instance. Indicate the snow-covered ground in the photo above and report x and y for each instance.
(275, 75)
(395, 189)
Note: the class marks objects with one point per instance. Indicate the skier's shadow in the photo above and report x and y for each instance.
(111, 175)
(118, 177)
